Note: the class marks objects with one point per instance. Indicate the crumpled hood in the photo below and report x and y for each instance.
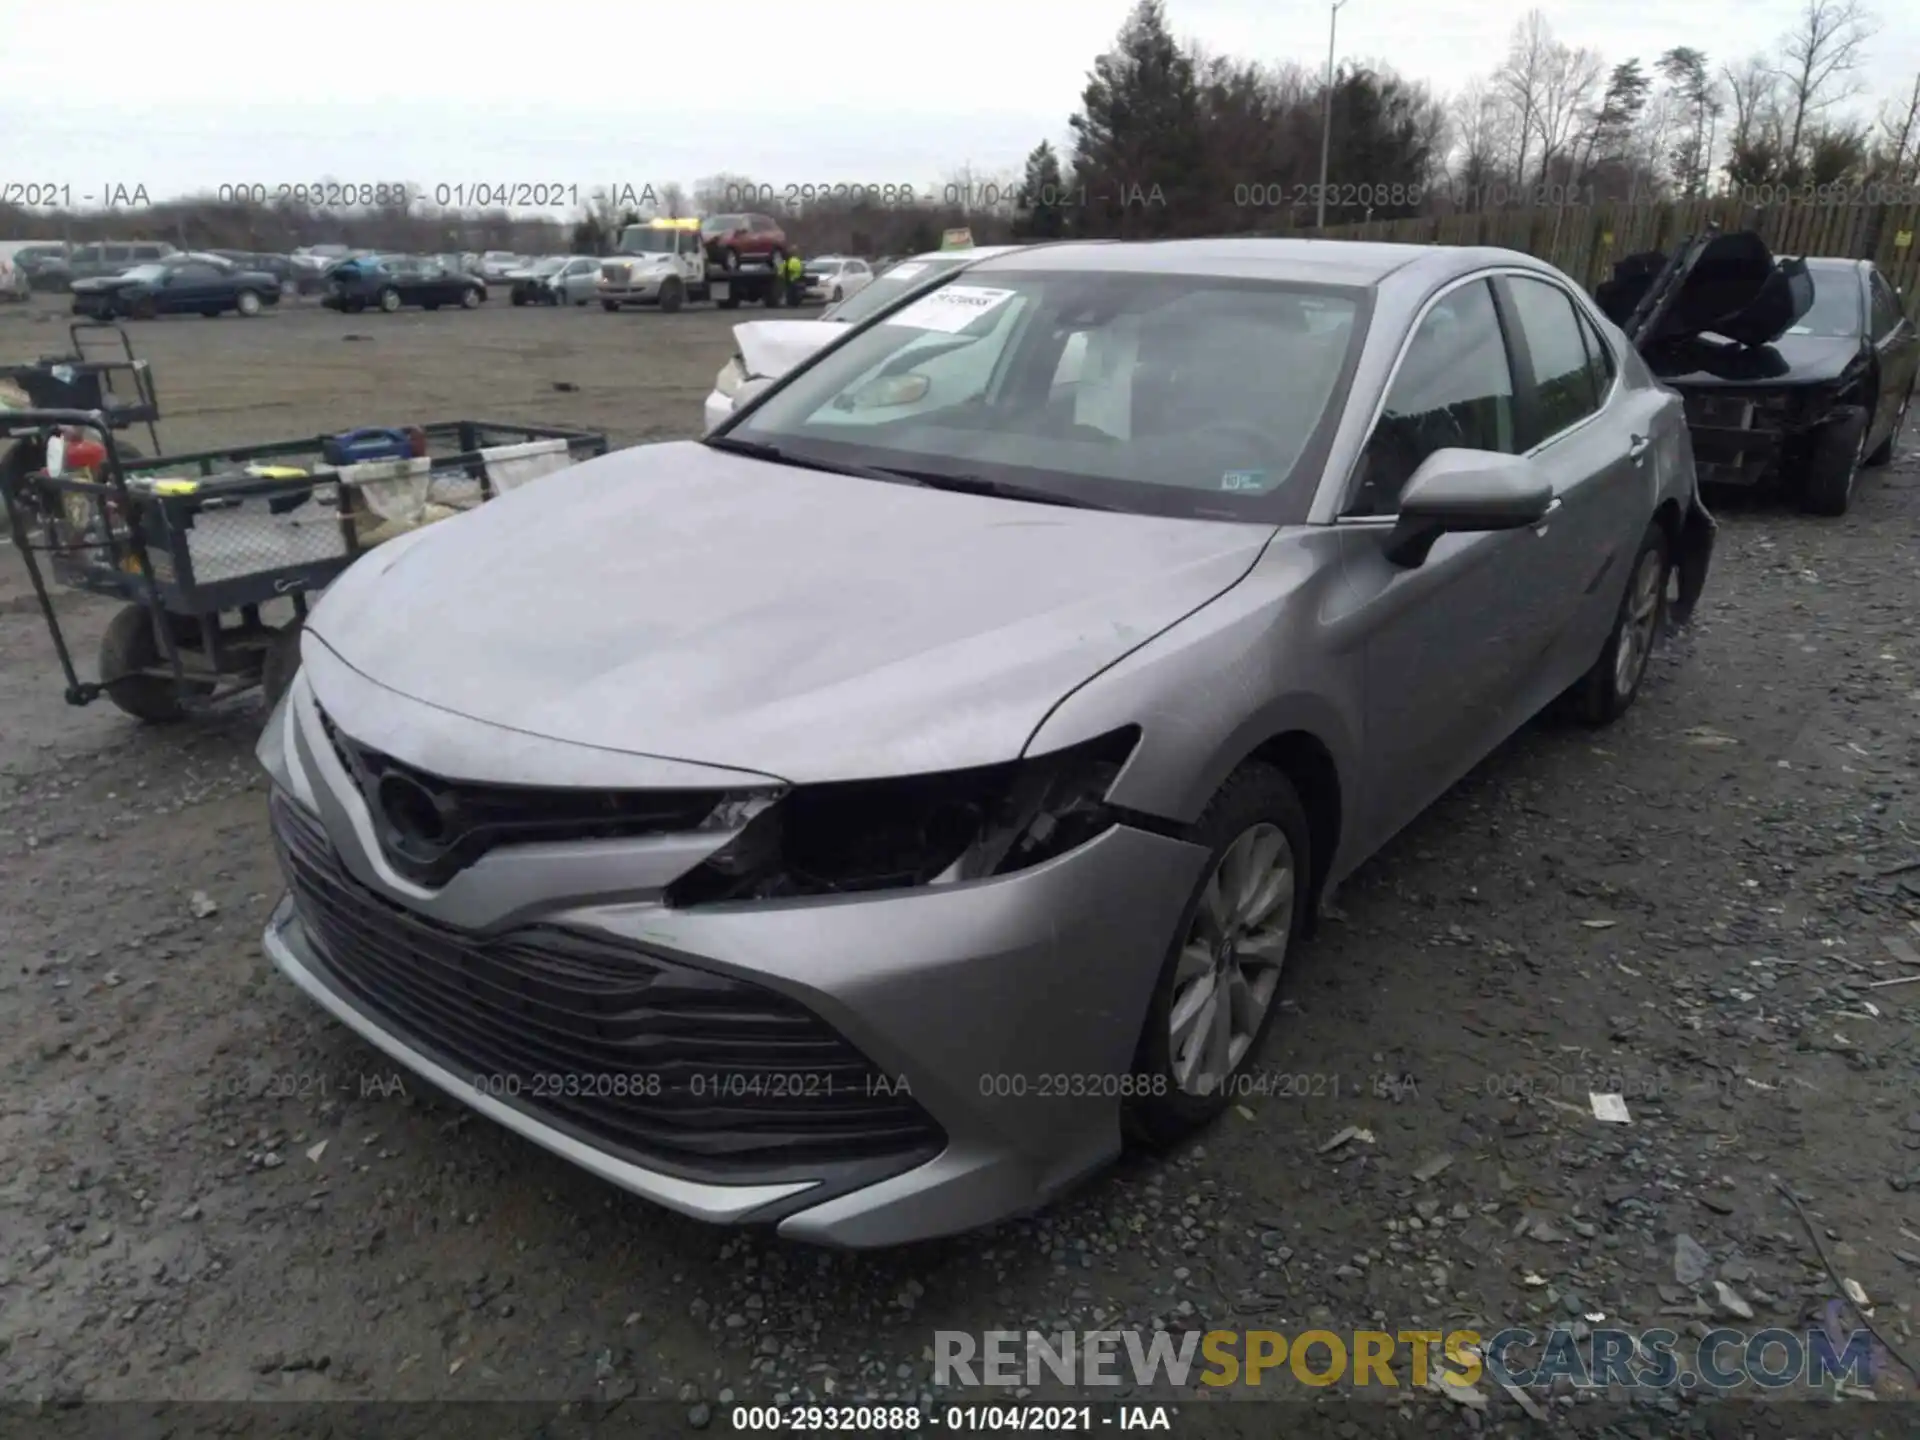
(770, 348)
(675, 601)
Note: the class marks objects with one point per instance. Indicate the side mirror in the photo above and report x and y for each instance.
(1465, 491)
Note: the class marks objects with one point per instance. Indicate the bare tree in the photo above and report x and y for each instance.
(673, 201)
(1819, 58)
(1483, 130)
(1570, 83)
(1900, 135)
(1754, 88)
(1523, 78)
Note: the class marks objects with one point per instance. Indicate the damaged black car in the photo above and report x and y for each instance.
(1796, 372)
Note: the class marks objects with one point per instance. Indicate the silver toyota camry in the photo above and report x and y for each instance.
(864, 820)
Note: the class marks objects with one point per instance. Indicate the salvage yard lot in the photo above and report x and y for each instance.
(213, 1191)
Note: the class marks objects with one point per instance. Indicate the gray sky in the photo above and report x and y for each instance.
(582, 94)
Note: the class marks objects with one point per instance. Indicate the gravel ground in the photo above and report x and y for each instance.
(213, 1192)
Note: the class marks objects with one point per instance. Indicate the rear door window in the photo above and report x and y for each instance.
(1563, 378)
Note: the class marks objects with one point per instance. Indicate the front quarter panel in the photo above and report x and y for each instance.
(1247, 667)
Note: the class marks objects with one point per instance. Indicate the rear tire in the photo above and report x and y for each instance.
(129, 646)
(247, 303)
(609, 306)
(1884, 452)
(1257, 806)
(389, 300)
(471, 297)
(1833, 462)
(1605, 692)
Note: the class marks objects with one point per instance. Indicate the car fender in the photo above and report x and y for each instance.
(1245, 668)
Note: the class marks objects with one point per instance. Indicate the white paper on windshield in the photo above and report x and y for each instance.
(905, 271)
(951, 309)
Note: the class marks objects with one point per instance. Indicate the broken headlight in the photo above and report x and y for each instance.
(915, 830)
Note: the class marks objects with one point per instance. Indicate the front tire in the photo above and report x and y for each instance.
(1605, 692)
(672, 295)
(1833, 462)
(1216, 994)
(609, 306)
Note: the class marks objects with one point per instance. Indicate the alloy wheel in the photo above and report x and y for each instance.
(1229, 964)
(1640, 623)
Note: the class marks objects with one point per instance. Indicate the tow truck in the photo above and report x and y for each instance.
(665, 262)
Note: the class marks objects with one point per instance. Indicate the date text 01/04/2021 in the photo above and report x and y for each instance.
(979, 1419)
(543, 195)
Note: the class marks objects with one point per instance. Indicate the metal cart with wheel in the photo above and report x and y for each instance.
(196, 546)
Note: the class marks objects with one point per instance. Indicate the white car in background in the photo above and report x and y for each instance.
(767, 349)
(834, 278)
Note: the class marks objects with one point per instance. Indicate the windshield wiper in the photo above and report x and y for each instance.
(999, 489)
(761, 450)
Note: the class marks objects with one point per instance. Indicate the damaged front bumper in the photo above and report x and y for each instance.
(1006, 1010)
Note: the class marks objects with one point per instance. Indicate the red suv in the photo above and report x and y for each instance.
(752, 239)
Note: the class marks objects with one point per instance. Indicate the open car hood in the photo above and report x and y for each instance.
(1735, 288)
(770, 348)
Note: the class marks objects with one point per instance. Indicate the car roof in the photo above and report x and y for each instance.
(1356, 263)
(965, 252)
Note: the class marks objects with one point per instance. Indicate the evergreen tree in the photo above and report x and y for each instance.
(1138, 146)
(1042, 213)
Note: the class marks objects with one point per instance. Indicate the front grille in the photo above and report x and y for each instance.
(474, 818)
(669, 1066)
(1725, 412)
(615, 274)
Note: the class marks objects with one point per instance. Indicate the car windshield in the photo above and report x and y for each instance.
(1835, 314)
(649, 240)
(825, 267)
(887, 288)
(549, 265)
(144, 272)
(1171, 394)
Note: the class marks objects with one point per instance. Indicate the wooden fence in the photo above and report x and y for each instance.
(1586, 240)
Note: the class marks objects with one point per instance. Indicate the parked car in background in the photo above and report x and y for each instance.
(282, 267)
(181, 284)
(393, 282)
(528, 284)
(105, 258)
(575, 283)
(833, 278)
(764, 350)
(1805, 381)
(13, 280)
(1036, 758)
(496, 265)
(743, 239)
(45, 265)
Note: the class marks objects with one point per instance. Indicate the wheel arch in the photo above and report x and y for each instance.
(1304, 758)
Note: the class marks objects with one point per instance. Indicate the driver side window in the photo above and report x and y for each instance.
(1454, 390)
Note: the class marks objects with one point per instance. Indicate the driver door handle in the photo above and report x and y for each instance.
(1637, 448)
(1553, 507)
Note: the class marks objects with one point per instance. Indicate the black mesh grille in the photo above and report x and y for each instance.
(470, 819)
(671, 1066)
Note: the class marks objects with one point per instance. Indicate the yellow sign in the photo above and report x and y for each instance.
(1903, 240)
(664, 223)
(956, 240)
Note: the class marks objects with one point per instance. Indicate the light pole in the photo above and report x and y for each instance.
(1326, 124)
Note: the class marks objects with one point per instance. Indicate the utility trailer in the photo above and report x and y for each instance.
(196, 546)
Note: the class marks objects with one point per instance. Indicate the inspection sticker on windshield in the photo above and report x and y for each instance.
(952, 309)
(1244, 480)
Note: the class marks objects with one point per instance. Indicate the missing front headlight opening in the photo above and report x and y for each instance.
(916, 830)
